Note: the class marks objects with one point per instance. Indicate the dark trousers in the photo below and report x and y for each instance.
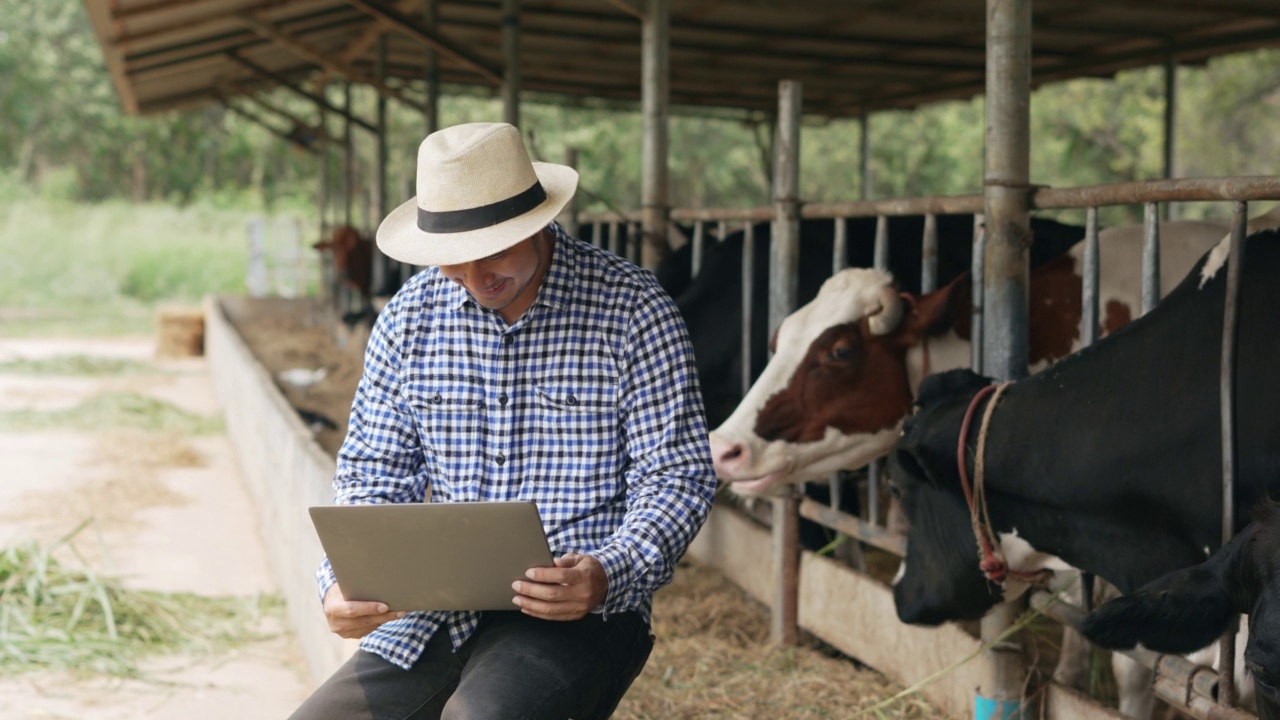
(514, 666)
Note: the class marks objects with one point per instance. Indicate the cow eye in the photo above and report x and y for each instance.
(841, 353)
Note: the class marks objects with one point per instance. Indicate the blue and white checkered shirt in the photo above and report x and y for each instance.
(588, 405)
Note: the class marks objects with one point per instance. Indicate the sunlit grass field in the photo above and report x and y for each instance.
(103, 269)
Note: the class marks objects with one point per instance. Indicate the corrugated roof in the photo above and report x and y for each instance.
(852, 56)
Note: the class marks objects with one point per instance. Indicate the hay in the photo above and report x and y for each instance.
(55, 617)
(179, 332)
(713, 658)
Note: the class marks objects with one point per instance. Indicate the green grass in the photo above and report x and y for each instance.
(56, 617)
(103, 269)
(82, 365)
(112, 411)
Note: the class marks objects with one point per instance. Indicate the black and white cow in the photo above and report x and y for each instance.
(1188, 609)
(1108, 461)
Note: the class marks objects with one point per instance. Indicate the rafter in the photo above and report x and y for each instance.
(319, 58)
(416, 31)
(319, 100)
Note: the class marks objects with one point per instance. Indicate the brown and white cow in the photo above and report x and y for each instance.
(847, 365)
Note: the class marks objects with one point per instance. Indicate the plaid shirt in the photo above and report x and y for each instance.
(588, 405)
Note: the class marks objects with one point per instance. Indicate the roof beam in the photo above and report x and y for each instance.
(442, 46)
(128, 41)
(627, 6)
(317, 57)
(259, 121)
(286, 83)
(361, 44)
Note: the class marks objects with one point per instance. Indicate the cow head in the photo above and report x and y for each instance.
(1190, 608)
(836, 389)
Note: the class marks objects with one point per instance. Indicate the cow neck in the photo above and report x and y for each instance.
(991, 559)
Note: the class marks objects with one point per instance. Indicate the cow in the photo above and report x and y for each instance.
(1108, 461)
(1189, 609)
(834, 395)
(712, 304)
(352, 254)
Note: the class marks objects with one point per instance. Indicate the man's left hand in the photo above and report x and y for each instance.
(568, 591)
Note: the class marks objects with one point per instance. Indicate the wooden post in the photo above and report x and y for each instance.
(382, 270)
(1008, 238)
(511, 61)
(348, 157)
(655, 91)
(784, 264)
(1170, 125)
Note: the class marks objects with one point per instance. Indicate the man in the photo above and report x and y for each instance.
(523, 365)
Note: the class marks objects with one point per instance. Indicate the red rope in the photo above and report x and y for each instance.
(990, 560)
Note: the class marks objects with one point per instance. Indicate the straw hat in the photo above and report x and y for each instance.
(478, 194)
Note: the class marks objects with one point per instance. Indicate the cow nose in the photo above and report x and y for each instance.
(728, 456)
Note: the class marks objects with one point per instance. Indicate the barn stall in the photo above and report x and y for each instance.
(779, 59)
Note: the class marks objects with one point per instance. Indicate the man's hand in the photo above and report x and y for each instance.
(354, 619)
(568, 591)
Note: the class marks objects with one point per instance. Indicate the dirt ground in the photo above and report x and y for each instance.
(172, 514)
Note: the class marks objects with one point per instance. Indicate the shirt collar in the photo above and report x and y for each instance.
(558, 284)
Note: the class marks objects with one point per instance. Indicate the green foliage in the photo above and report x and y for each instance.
(91, 365)
(113, 410)
(56, 617)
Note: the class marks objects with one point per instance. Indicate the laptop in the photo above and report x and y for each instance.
(432, 556)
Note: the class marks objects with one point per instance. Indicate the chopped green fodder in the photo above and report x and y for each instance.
(114, 410)
(55, 617)
(79, 365)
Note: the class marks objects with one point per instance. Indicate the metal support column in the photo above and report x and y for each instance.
(784, 264)
(569, 216)
(431, 76)
(1008, 241)
(655, 88)
(383, 273)
(348, 158)
(511, 61)
(1170, 125)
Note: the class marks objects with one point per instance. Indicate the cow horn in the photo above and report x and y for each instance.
(887, 318)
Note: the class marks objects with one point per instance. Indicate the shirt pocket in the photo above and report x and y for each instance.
(451, 426)
(576, 428)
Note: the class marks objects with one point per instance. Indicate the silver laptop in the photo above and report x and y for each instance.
(432, 556)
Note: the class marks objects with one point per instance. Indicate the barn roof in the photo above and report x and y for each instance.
(852, 56)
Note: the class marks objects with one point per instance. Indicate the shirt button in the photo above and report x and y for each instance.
(436, 399)
(502, 399)
(571, 400)
(500, 459)
(508, 339)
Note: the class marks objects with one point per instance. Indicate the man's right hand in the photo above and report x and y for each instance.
(354, 618)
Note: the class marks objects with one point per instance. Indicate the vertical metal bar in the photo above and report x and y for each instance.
(655, 76)
(784, 248)
(382, 273)
(699, 242)
(748, 301)
(722, 229)
(511, 61)
(431, 108)
(615, 239)
(1150, 257)
(1007, 178)
(1089, 281)
(596, 228)
(1227, 402)
(784, 266)
(977, 271)
(570, 212)
(348, 156)
(635, 242)
(929, 255)
(1170, 125)
(840, 248)
(864, 156)
(880, 256)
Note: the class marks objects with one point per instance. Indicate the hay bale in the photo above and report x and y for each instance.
(179, 331)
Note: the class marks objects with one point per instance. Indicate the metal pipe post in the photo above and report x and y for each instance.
(655, 88)
(1008, 143)
(1089, 320)
(1150, 257)
(511, 62)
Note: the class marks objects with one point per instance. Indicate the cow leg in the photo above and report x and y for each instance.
(1133, 684)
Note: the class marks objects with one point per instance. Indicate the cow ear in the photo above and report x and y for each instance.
(916, 461)
(1179, 613)
(932, 314)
